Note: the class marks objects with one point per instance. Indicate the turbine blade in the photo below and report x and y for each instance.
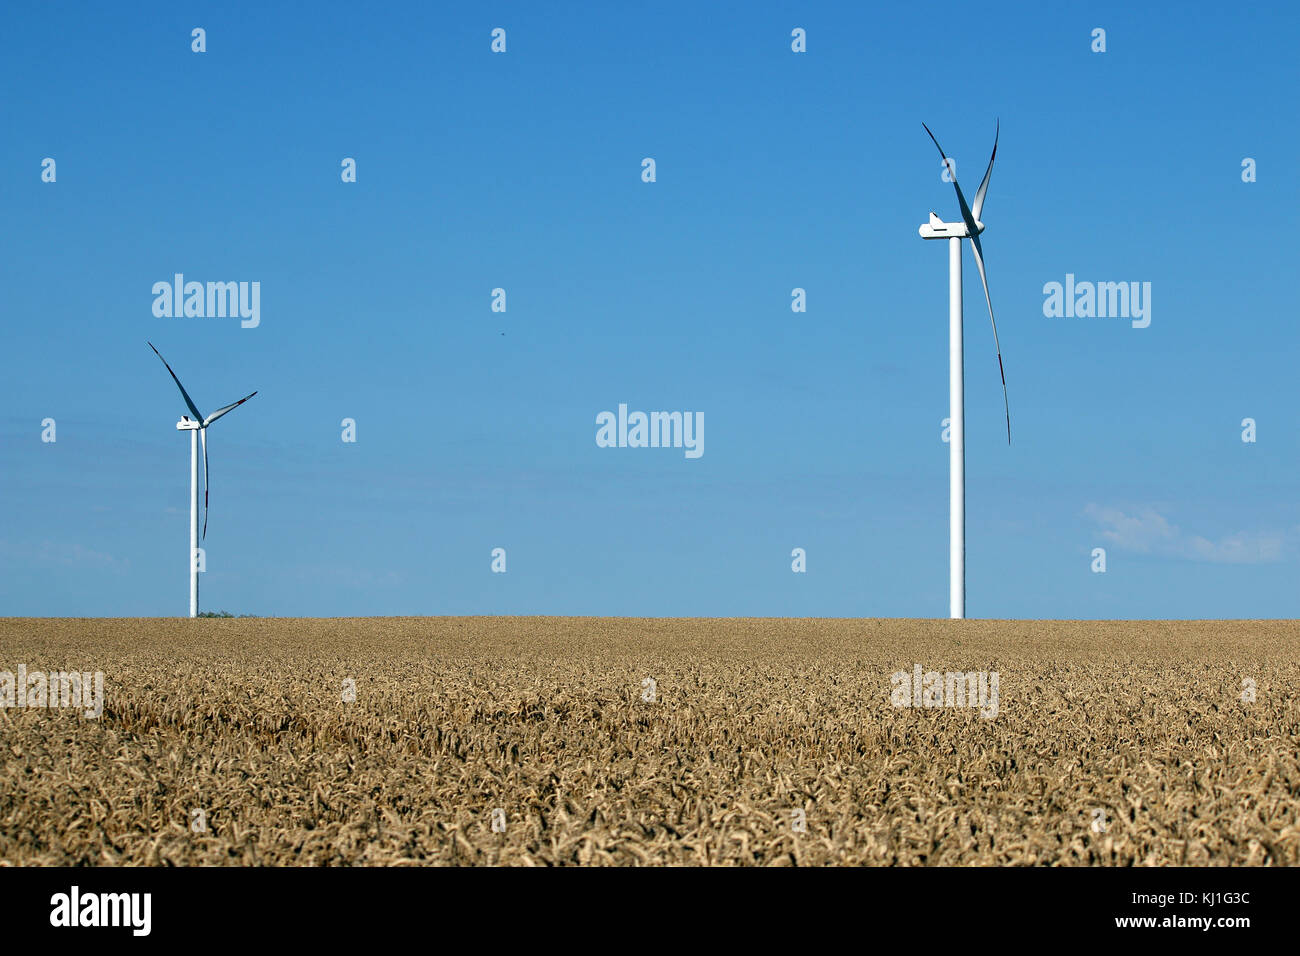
(984, 186)
(979, 261)
(966, 214)
(203, 436)
(225, 408)
(198, 417)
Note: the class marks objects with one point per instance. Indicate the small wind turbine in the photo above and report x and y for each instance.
(198, 429)
(969, 228)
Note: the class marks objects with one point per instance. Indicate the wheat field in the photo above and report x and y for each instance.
(598, 741)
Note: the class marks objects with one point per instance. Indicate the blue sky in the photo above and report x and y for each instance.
(522, 171)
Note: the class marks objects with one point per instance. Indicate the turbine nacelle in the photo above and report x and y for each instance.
(936, 228)
(187, 424)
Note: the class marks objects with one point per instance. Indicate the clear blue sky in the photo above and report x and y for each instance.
(522, 170)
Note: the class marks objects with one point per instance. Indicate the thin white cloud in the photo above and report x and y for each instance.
(59, 554)
(1148, 532)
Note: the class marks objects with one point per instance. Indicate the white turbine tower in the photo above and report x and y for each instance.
(198, 429)
(970, 228)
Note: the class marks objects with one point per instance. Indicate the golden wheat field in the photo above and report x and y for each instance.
(652, 741)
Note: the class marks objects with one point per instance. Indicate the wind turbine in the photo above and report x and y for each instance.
(198, 429)
(970, 228)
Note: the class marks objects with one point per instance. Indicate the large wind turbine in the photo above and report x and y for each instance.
(198, 429)
(970, 228)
